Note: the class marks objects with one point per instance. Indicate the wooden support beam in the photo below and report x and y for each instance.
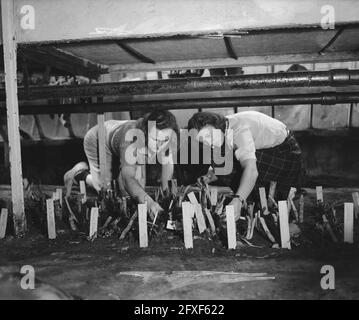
(101, 148)
(348, 223)
(284, 225)
(93, 223)
(188, 213)
(231, 227)
(134, 53)
(3, 222)
(9, 49)
(230, 49)
(51, 226)
(142, 225)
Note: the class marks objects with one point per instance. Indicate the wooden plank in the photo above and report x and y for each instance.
(93, 222)
(355, 196)
(142, 225)
(255, 60)
(83, 192)
(319, 190)
(214, 196)
(102, 150)
(51, 227)
(201, 222)
(3, 222)
(231, 227)
(284, 224)
(348, 222)
(9, 48)
(187, 212)
(263, 198)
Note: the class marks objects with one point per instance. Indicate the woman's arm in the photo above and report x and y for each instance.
(248, 179)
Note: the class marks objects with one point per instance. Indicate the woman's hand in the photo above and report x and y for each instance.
(153, 208)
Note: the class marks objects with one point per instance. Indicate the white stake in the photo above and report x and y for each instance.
(319, 193)
(284, 225)
(51, 227)
(191, 196)
(263, 197)
(231, 227)
(142, 225)
(3, 222)
(201, 222)
(93, 222)
(83, 192)
(214, 196)
(348, 222)
(188, 213)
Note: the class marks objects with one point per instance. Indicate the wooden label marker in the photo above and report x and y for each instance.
(93, 222)
(263, 198)
(3, 222)
(191, 196)
(231, 227)
(201, 222)
(348, 222)
(51, 227)
(214, 197)
(142, 225)
(356, 204)
(187, 212)
(83, 192)
(284, 225)
(319, 194)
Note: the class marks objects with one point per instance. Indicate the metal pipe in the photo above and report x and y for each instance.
(324, 98)
(252, 81)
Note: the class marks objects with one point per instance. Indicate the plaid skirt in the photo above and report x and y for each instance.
(283, 164)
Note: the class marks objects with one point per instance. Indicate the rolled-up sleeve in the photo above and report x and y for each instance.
(244, 147)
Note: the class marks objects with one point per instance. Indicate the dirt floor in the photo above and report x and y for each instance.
(110, 269)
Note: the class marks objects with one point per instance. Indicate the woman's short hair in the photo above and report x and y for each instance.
(163, 118)
(201, 119)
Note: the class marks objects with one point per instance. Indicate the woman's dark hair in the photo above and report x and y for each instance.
(201, 119)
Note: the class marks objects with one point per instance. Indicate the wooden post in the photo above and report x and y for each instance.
(3, 222)
(319, 194)
(51, 227)
(83, 192)
(142, 225)
(214, 196)
(201, 222)
(284, 224)
(102, 150)
(231, 227)
(93, 222)
(12, 104)
(348, 223)
(263, 198)
(187, 212)
(59, 195)
(356, 204)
